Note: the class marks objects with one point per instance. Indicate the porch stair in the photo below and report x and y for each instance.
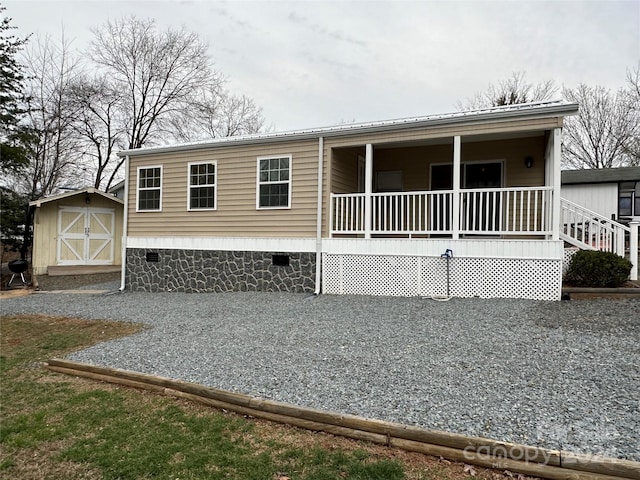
(589, 230)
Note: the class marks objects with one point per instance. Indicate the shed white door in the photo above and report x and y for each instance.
(85, 236)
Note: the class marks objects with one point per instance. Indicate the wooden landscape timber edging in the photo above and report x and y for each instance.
(532, 461)
(601, 291)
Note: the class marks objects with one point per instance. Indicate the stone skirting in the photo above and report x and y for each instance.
(218, 271)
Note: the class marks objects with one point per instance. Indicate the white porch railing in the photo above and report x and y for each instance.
(590, 230)
(347, 213)
(411, 212)
(496, 211)
(406, 213)
(506, 211)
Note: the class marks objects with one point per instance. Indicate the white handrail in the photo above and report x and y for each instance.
(590, 230)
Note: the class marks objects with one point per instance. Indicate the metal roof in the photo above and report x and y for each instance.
(601, 175)
(507, 112)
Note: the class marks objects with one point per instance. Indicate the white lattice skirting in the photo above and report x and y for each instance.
(567, 256)
(408, 276)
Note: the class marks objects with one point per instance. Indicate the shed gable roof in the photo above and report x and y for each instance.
(82, 191)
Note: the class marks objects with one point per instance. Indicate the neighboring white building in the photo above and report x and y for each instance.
(117, 190)
(612, 192)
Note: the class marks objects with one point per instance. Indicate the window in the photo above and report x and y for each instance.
(202, 186)
(389, 181)
(442, 177)
(629, 199)
(149, 189)
(624, 204)
(274, 182)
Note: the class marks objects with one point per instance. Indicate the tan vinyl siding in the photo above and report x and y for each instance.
(236, 213)
(344, 174)
(415, 162)
(513, 152)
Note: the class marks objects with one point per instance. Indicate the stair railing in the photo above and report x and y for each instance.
(590, 230)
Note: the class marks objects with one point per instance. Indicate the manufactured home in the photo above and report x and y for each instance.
(462, 204)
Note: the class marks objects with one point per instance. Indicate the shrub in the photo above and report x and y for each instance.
(591, 268)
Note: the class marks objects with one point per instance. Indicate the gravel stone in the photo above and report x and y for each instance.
(562, 375)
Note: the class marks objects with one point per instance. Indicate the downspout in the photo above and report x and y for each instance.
(319, 216)
(34, 248)
(125, 223)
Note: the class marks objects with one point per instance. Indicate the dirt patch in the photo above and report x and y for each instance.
(21, 292)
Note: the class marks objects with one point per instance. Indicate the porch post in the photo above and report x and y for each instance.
(556, 152)
(368, 188)
(456, 188)
(633, 247)
(548, 181)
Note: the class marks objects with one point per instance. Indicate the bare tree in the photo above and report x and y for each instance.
(51, 146)
(515, 89)
(236, 115)
(145, 86)
(632, 145)
(602, 134)
(158, 73)
(98, 125)
(217, 113)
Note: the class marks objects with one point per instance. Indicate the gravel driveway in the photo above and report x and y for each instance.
(553, 374)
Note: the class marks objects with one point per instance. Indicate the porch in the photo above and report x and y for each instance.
(492, 199)
(495, 186)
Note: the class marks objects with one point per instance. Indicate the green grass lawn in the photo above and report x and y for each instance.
(55, 426)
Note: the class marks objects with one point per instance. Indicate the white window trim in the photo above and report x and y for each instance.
(215, 187)
(147, 167)
(258, 182)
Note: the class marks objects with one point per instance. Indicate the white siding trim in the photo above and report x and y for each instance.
(230, 244)
(476, 248)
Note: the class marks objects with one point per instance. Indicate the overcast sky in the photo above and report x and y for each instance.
(313, 64)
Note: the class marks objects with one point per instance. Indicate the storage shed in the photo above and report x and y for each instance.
(82, 228)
